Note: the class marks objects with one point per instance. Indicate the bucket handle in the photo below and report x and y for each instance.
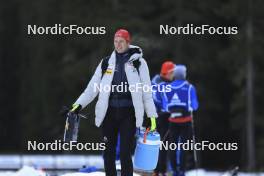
(145, 135)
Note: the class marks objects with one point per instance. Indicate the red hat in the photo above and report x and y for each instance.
(124, 34)
(167, 67)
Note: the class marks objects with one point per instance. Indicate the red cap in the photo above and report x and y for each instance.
(124, 34)
(167, 67)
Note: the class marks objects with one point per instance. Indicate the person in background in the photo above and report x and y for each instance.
(166, 75)
(180, 102)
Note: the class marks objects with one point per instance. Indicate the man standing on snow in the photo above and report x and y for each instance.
(120, 112)
(166, 75)
(180, 102)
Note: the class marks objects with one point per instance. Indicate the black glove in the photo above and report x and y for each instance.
(150, 123)
(75, 109)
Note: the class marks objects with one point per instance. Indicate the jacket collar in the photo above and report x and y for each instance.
(135, 51)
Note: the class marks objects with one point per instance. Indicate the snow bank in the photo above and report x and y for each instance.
(30, 171)
(86, 174)
(25, 171)
(90, 174)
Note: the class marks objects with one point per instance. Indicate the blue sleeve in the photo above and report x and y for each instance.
(157, 94)
(155, 80)
(157, 100)
(194, 100)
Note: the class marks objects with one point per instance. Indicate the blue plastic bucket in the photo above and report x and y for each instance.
(147, 151)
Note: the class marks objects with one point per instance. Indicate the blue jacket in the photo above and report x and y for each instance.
(156, 96)
(182, 96)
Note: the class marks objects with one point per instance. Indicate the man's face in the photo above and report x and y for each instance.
(121, 45)
(169, 76)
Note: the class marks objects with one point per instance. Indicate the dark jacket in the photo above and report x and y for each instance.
(122, 98)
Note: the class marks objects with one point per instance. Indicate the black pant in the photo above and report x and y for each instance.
(162, 128)
(122, 121)
(179, 133)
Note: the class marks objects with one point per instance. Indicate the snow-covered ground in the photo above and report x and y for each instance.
(30, 171)
(23, 166)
